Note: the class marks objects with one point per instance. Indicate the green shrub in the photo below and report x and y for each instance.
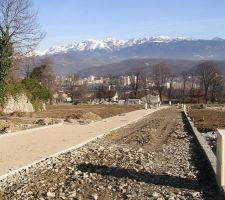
(14, 88)
(10, 88)
(37, 93)
(35, 90)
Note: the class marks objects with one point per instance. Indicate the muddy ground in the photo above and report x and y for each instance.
(156, 158)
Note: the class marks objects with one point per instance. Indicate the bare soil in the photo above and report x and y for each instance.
(208, 119)
(22, 121)
(104, 111)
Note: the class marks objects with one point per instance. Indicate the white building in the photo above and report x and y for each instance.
(125, 80)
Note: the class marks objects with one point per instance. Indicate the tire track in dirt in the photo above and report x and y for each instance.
(151, 133)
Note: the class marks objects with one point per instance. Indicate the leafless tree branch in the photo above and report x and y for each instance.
(19, 19)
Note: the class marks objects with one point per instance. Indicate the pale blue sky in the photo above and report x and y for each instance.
(67, 21)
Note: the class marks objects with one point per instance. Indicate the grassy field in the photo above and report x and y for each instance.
(104, 111)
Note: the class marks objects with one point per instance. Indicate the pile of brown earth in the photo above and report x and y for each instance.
(5, 126)
(9, 124)
(82, 117)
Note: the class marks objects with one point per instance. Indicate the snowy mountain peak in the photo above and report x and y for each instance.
(218, 39)
(168, 39)
(108, 44)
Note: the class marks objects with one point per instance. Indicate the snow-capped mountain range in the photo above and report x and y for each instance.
(108, 44)
(91, 53)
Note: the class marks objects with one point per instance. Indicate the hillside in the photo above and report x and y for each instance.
(124, 67)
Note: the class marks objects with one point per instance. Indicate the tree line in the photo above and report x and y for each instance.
(205, 80)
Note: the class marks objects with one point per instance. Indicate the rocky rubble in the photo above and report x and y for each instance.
(163, 163)
(5, 126)
(15, 124)
(211, 139)
(45, 122)
(81, 117)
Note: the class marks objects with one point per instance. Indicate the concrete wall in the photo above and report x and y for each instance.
(202, 142)
(221, 158)
(217, 163)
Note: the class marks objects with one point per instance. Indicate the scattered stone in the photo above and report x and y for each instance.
(19, 192)
(51, 194)
(42, 122)
(5, 126)
(160, 198)
(94, 196)
(155, 194)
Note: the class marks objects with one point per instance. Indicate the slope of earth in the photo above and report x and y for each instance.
(156, 158)
(125, 67)
(175, 66)
(68, 63)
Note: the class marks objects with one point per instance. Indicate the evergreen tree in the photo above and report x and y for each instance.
(6, 56)
(38, 73)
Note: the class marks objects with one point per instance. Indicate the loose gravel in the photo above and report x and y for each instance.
(155, 159)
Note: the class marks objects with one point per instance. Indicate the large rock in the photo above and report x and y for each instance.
(18, 104)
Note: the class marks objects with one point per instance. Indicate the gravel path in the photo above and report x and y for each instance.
(155, 158)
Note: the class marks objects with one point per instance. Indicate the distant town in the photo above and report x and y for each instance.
(101, 89)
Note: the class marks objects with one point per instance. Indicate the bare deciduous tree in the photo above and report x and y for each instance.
(208, 72)
(101, 92)
(193, 83)
(72, 86)
(79, 93)
(160, 74)
(170, 89)
(184, 76)
(217, 87)
(136, 81)
(19, 20)
(26, 65)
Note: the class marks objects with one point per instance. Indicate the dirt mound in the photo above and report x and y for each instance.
(5, 126)
(82, 115)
